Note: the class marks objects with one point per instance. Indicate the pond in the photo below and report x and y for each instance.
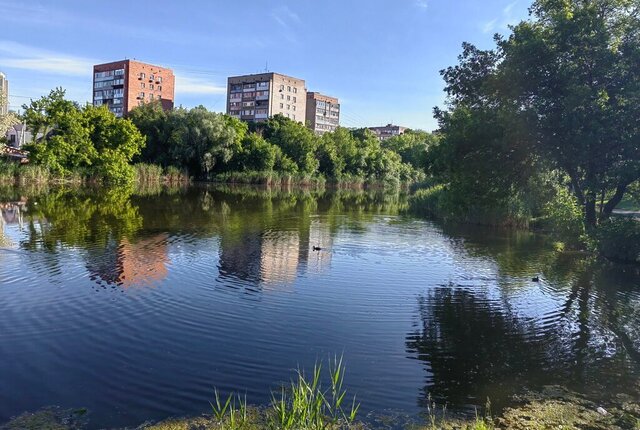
(136, 303)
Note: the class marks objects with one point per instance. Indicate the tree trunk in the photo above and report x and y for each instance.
(591, 218)
(613, 201)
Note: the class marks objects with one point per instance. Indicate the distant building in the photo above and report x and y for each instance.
(4, 89)
(258, 97)
(124, 85)
(18, 135)
(388, 131)
(323, 112)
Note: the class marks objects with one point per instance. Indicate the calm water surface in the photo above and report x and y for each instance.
(137, 304)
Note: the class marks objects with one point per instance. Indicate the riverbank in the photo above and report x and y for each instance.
(552, 408)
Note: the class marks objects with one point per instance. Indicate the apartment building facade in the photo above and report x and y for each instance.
(323, 112)
(388, 131)
(4, 89)
(257, 97)
(124, 85)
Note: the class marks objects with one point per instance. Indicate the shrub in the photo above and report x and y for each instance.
(619, 239)
(563, 216)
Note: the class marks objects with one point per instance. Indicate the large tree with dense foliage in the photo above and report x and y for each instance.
(86, 137)
(566, 87)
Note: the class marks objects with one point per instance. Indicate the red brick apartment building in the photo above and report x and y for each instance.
(123, 85)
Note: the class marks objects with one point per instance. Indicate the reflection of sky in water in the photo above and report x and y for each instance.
(222, 289)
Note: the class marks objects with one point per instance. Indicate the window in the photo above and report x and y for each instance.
(294, 108)
(159, 88)
(159, 97)
(289, 88)
(288, 98)
(141, 84)
(151, 77)
(281, 96)
(150, 86)
(140, 95)
(97, 94)
(281, 106)
(294, 116)
(288, 107)
(281, 87)
(295, 90)
(142, 76)
(159, 79)
(236, 87)
(294, 99)
(117, 101)
(288, 116)
(119, 72)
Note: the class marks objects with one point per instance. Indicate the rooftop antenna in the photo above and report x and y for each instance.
(266, 66)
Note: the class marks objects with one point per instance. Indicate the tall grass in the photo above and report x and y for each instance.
(304, 404)
(155, 174)
(269, 178)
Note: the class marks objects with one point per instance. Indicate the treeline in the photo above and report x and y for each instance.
(88, 142)
(212, 146)
(544, 127)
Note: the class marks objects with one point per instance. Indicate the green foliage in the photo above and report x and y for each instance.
(563, 216)
(619, 239)
(305, 404)
(566, 87)
(81, 138)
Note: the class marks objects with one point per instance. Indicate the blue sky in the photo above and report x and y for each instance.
(381, 58)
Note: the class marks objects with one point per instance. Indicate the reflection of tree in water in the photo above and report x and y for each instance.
(472, 348)
(478, 343)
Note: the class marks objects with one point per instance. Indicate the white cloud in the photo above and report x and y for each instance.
(191, 85)
(288, 20)
(504, 21)
(489, 26)
(422, 4)
(18, 56)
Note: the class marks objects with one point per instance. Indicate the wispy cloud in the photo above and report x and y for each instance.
(191, 85)
(288, 20)
(18, 56)
(422, 4)
(506, 19)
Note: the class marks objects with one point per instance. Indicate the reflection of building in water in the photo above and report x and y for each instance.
(240, 255)
(272, 259)
(131, 264)
(319, 235)
(10, 213)
(279, 258)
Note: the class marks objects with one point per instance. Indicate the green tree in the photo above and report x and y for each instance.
(566, 86)
(81, 137)
(151, 120)
(295, 140)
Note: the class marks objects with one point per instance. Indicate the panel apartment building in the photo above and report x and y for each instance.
(260, 96)
(323, 112)
(4, 88)
(388, 131)
(124, 85)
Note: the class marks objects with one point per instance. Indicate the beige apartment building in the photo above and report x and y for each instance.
(123, 85)
(387, 131)
(4, 89)
(260, 96)
(323, 112)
